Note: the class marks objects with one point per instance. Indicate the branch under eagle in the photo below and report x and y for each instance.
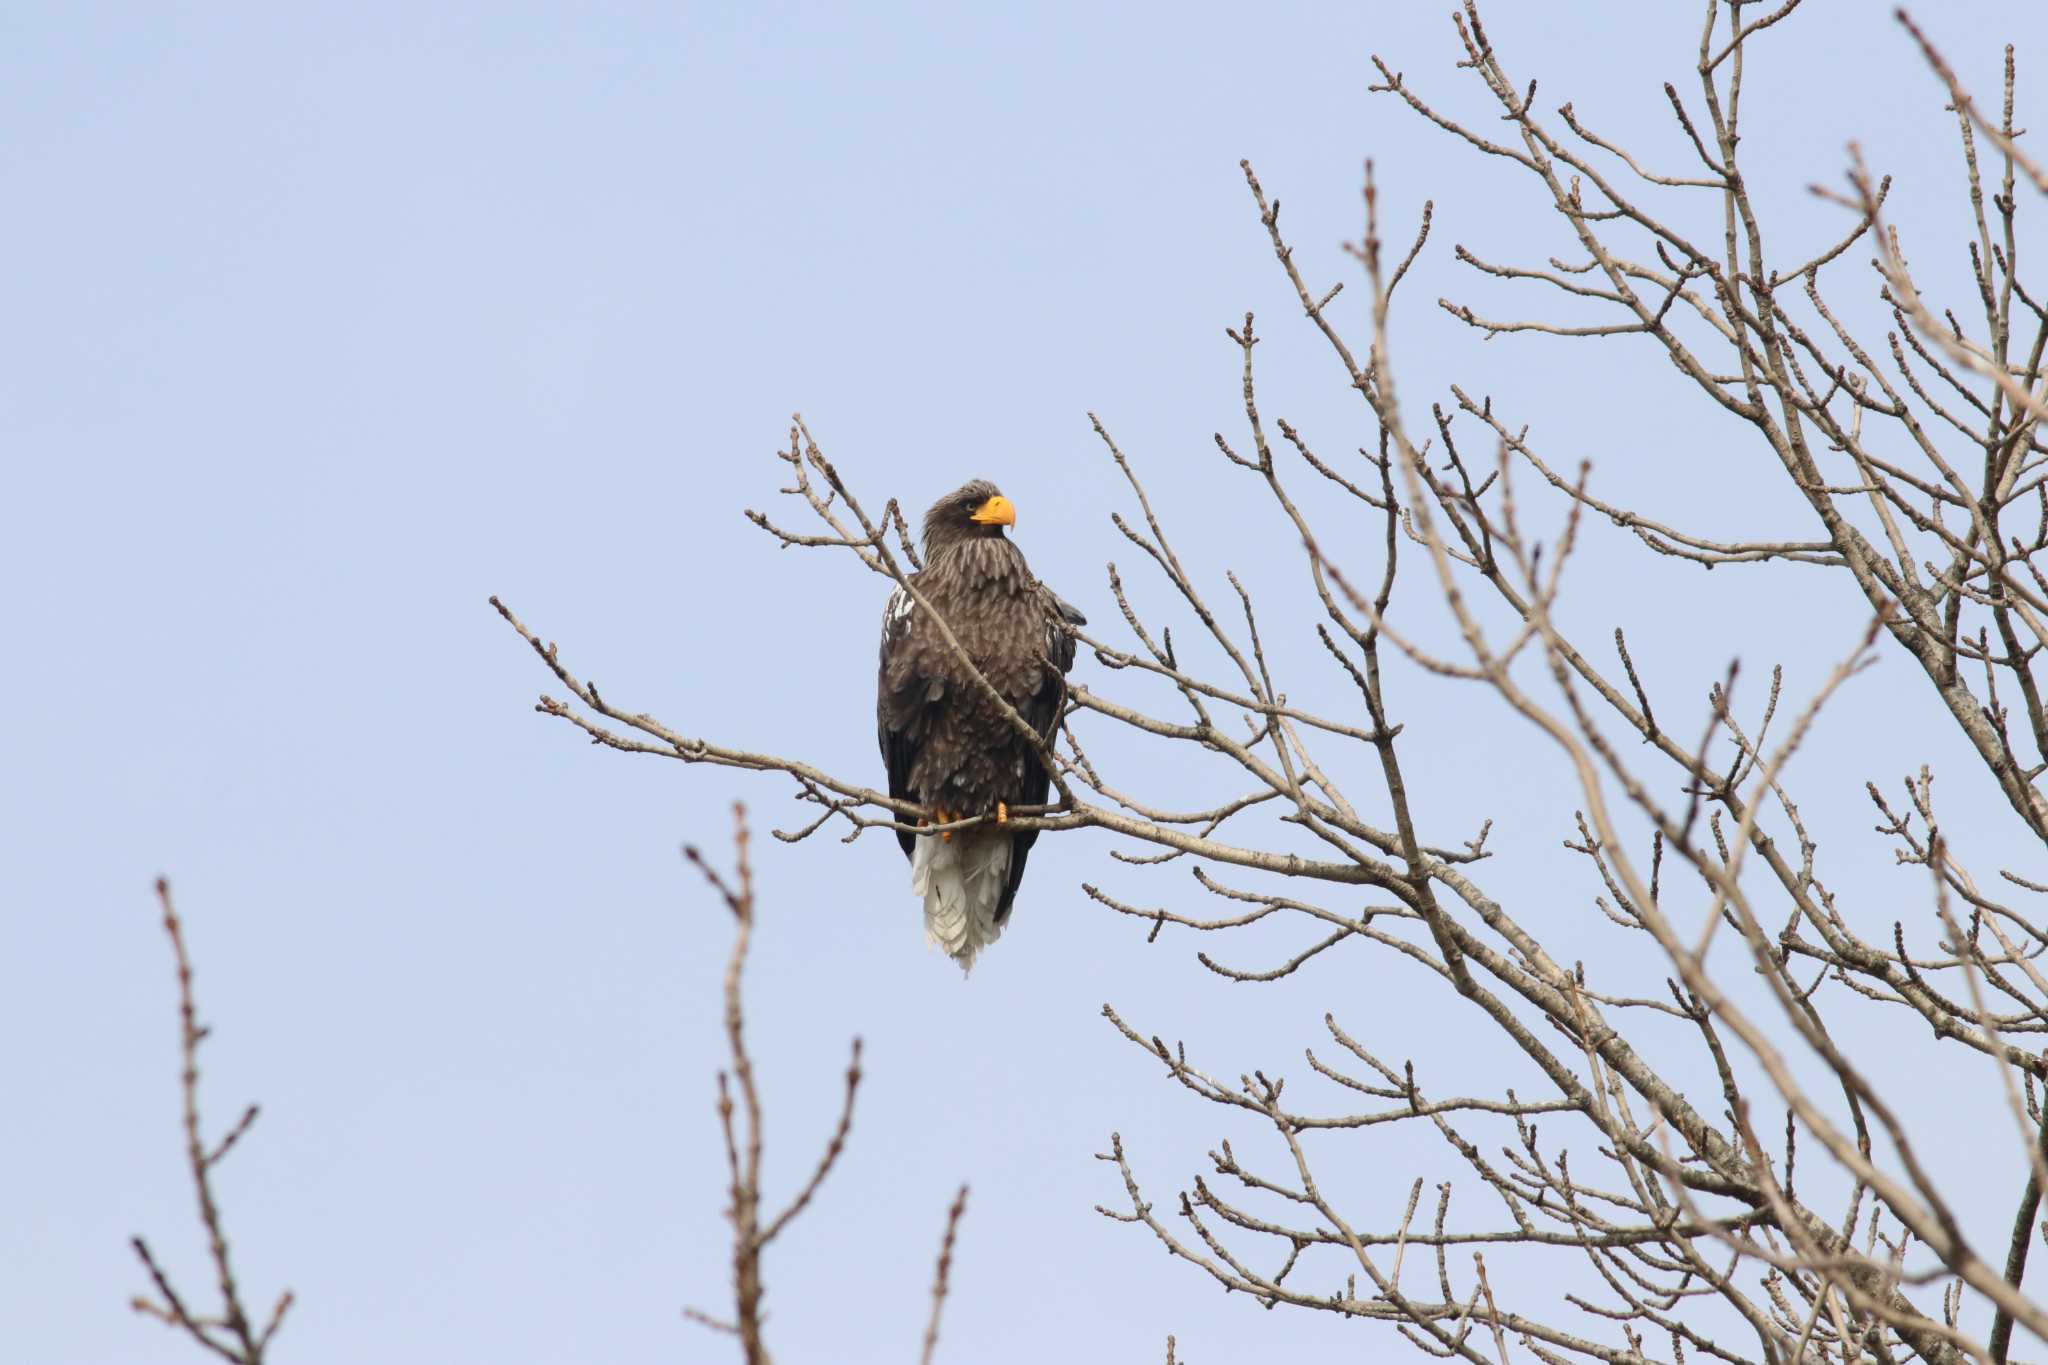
(882, 544)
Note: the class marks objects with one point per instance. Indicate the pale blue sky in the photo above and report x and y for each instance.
(324, 323)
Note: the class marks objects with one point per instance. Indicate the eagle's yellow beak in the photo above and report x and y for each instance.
(997, 511)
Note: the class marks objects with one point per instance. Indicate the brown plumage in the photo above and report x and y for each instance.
(947, 745)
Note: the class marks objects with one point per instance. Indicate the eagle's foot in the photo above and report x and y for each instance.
(944, 817)
(1002, 812)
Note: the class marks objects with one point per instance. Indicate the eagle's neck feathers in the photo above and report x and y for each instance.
(979, 563)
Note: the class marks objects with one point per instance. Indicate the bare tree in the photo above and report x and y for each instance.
(753, 1228)
(233, 1334)
(230, 1332)
(1702, 1232)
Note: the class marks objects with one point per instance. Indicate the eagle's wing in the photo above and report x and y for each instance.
(903, 700)
(1059, 640)
(1042, 712)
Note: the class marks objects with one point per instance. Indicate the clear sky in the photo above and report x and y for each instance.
(323, 323)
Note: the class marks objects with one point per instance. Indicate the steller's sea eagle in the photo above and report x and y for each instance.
(947, 745)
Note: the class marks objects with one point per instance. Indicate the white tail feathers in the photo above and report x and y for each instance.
(961, 880)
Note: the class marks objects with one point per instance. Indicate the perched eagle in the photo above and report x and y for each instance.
(947, 745)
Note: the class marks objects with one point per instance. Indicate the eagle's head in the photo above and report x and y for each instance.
(974, 511)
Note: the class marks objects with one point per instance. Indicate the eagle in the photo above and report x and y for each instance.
(947, 745)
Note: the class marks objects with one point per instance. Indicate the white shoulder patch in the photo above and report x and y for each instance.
(899, 610)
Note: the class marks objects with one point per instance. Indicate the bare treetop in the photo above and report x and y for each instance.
(1675, 1151)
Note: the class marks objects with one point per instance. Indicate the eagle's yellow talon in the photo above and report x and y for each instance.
(945, 818)
(1002, 812)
